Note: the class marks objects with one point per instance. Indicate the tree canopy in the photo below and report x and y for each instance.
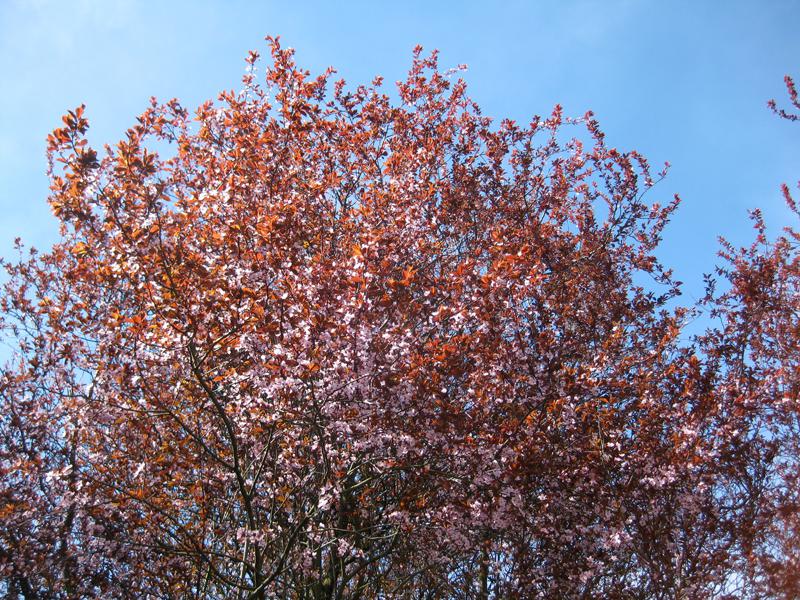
(314, 341)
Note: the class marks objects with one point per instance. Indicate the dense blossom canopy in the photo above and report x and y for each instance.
(317, 342)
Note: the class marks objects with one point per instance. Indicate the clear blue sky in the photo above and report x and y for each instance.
(685, 82)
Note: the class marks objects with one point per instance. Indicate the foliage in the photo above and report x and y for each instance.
(336, 346)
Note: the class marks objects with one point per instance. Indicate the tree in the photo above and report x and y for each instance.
(324, 345)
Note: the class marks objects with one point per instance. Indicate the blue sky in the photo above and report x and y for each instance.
(685, 82)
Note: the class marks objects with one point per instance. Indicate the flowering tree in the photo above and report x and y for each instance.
(327, 345)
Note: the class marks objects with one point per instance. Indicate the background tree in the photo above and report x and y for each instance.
(328, 345)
